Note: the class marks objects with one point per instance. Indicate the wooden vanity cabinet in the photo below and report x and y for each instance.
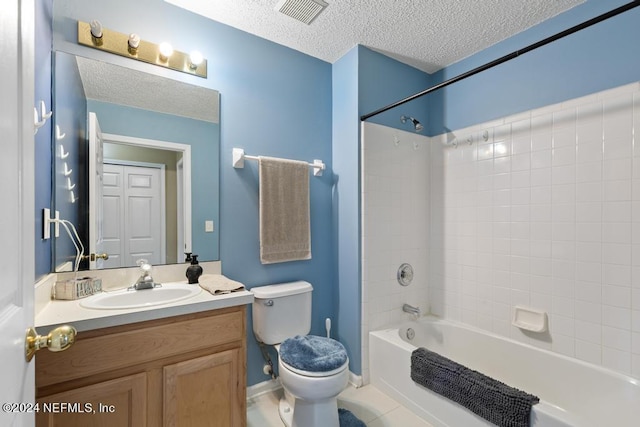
(186, 370)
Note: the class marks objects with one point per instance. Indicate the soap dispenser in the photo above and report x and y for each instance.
(194, 270)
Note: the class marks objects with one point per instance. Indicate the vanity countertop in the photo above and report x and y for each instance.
(56, 313)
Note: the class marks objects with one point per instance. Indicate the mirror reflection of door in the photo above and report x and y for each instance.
(136, 185)
(133, 203)
(95, 194)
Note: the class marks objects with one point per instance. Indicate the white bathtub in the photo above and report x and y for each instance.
(571, 392)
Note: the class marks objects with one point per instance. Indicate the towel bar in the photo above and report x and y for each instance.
(239, 157)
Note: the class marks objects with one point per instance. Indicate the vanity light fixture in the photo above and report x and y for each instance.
(94, 35)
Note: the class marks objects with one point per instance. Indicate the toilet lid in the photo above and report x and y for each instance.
(311, 353)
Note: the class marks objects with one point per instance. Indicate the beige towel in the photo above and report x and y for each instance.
(285, 233)
(219, 284)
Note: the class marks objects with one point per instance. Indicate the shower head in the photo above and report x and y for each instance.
(416, 124)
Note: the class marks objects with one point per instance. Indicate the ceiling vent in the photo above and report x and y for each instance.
(302, 10)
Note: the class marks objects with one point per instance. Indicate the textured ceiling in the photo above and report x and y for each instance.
(118, 85)
(427, 34)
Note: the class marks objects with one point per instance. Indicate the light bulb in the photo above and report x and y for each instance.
(165, 51)
(195, 59)
(134, 40)
(133, 43)
(96, 28)
(96, 32)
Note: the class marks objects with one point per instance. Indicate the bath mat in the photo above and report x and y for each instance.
(347, 419)
(491, 399)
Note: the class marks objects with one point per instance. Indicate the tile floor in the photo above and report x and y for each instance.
(368, 403)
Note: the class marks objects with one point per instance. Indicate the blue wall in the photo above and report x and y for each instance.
(600, 57)
(346, 209)
(274, 101)
(382, 81)
(363, 81)
(70, 117)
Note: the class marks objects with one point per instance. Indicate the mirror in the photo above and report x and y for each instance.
(136, 165)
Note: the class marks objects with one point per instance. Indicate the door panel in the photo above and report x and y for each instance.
(96, 178)
(134, 225)
(121, 402)
(214, 376)
(17, 195)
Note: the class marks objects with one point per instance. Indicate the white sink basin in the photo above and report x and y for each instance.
(167, 293)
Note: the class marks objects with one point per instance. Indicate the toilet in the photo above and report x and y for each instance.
(313, 370)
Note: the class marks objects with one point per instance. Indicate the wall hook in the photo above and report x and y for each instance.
(67, 171)
(43, 111)
(59, 134)
(63, 155)
(39, 119)
(37, 123)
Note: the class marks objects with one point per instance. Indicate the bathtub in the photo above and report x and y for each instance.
(571, 392)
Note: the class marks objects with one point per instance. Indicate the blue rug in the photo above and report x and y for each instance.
(347, 419)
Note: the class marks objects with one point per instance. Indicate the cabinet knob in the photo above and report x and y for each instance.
(59, 339)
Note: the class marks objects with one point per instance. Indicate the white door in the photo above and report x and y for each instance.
(17, 195)
(113, 209)
(180, 210)
(96, 213)
(145, 220)
(134, 218)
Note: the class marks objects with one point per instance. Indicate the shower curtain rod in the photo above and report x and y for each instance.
(508, 57)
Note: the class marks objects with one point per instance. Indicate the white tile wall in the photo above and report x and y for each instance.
(395, 224)
(541, 209)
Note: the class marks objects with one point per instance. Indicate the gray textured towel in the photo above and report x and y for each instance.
(494, 401)
(284, 210)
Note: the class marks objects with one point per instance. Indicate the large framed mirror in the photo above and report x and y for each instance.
(136, 166)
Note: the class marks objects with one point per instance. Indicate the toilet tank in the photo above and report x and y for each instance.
(281, 311)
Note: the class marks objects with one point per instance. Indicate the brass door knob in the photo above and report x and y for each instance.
(59, 339)
(93, 257)
(104, 256)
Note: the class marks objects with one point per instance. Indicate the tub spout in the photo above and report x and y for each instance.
(411, 310)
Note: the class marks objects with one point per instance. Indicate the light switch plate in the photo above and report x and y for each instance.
(208, 226)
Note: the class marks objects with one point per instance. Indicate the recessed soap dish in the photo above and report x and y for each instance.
(529, 319)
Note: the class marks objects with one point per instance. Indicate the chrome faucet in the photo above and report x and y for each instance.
(145, 281)
(411, 310)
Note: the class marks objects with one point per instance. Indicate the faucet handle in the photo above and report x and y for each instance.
(144, 266)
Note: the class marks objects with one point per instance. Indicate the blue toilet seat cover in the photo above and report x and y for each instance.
(313, 353)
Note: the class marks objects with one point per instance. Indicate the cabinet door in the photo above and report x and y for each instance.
(205, 391)
(117, 403)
